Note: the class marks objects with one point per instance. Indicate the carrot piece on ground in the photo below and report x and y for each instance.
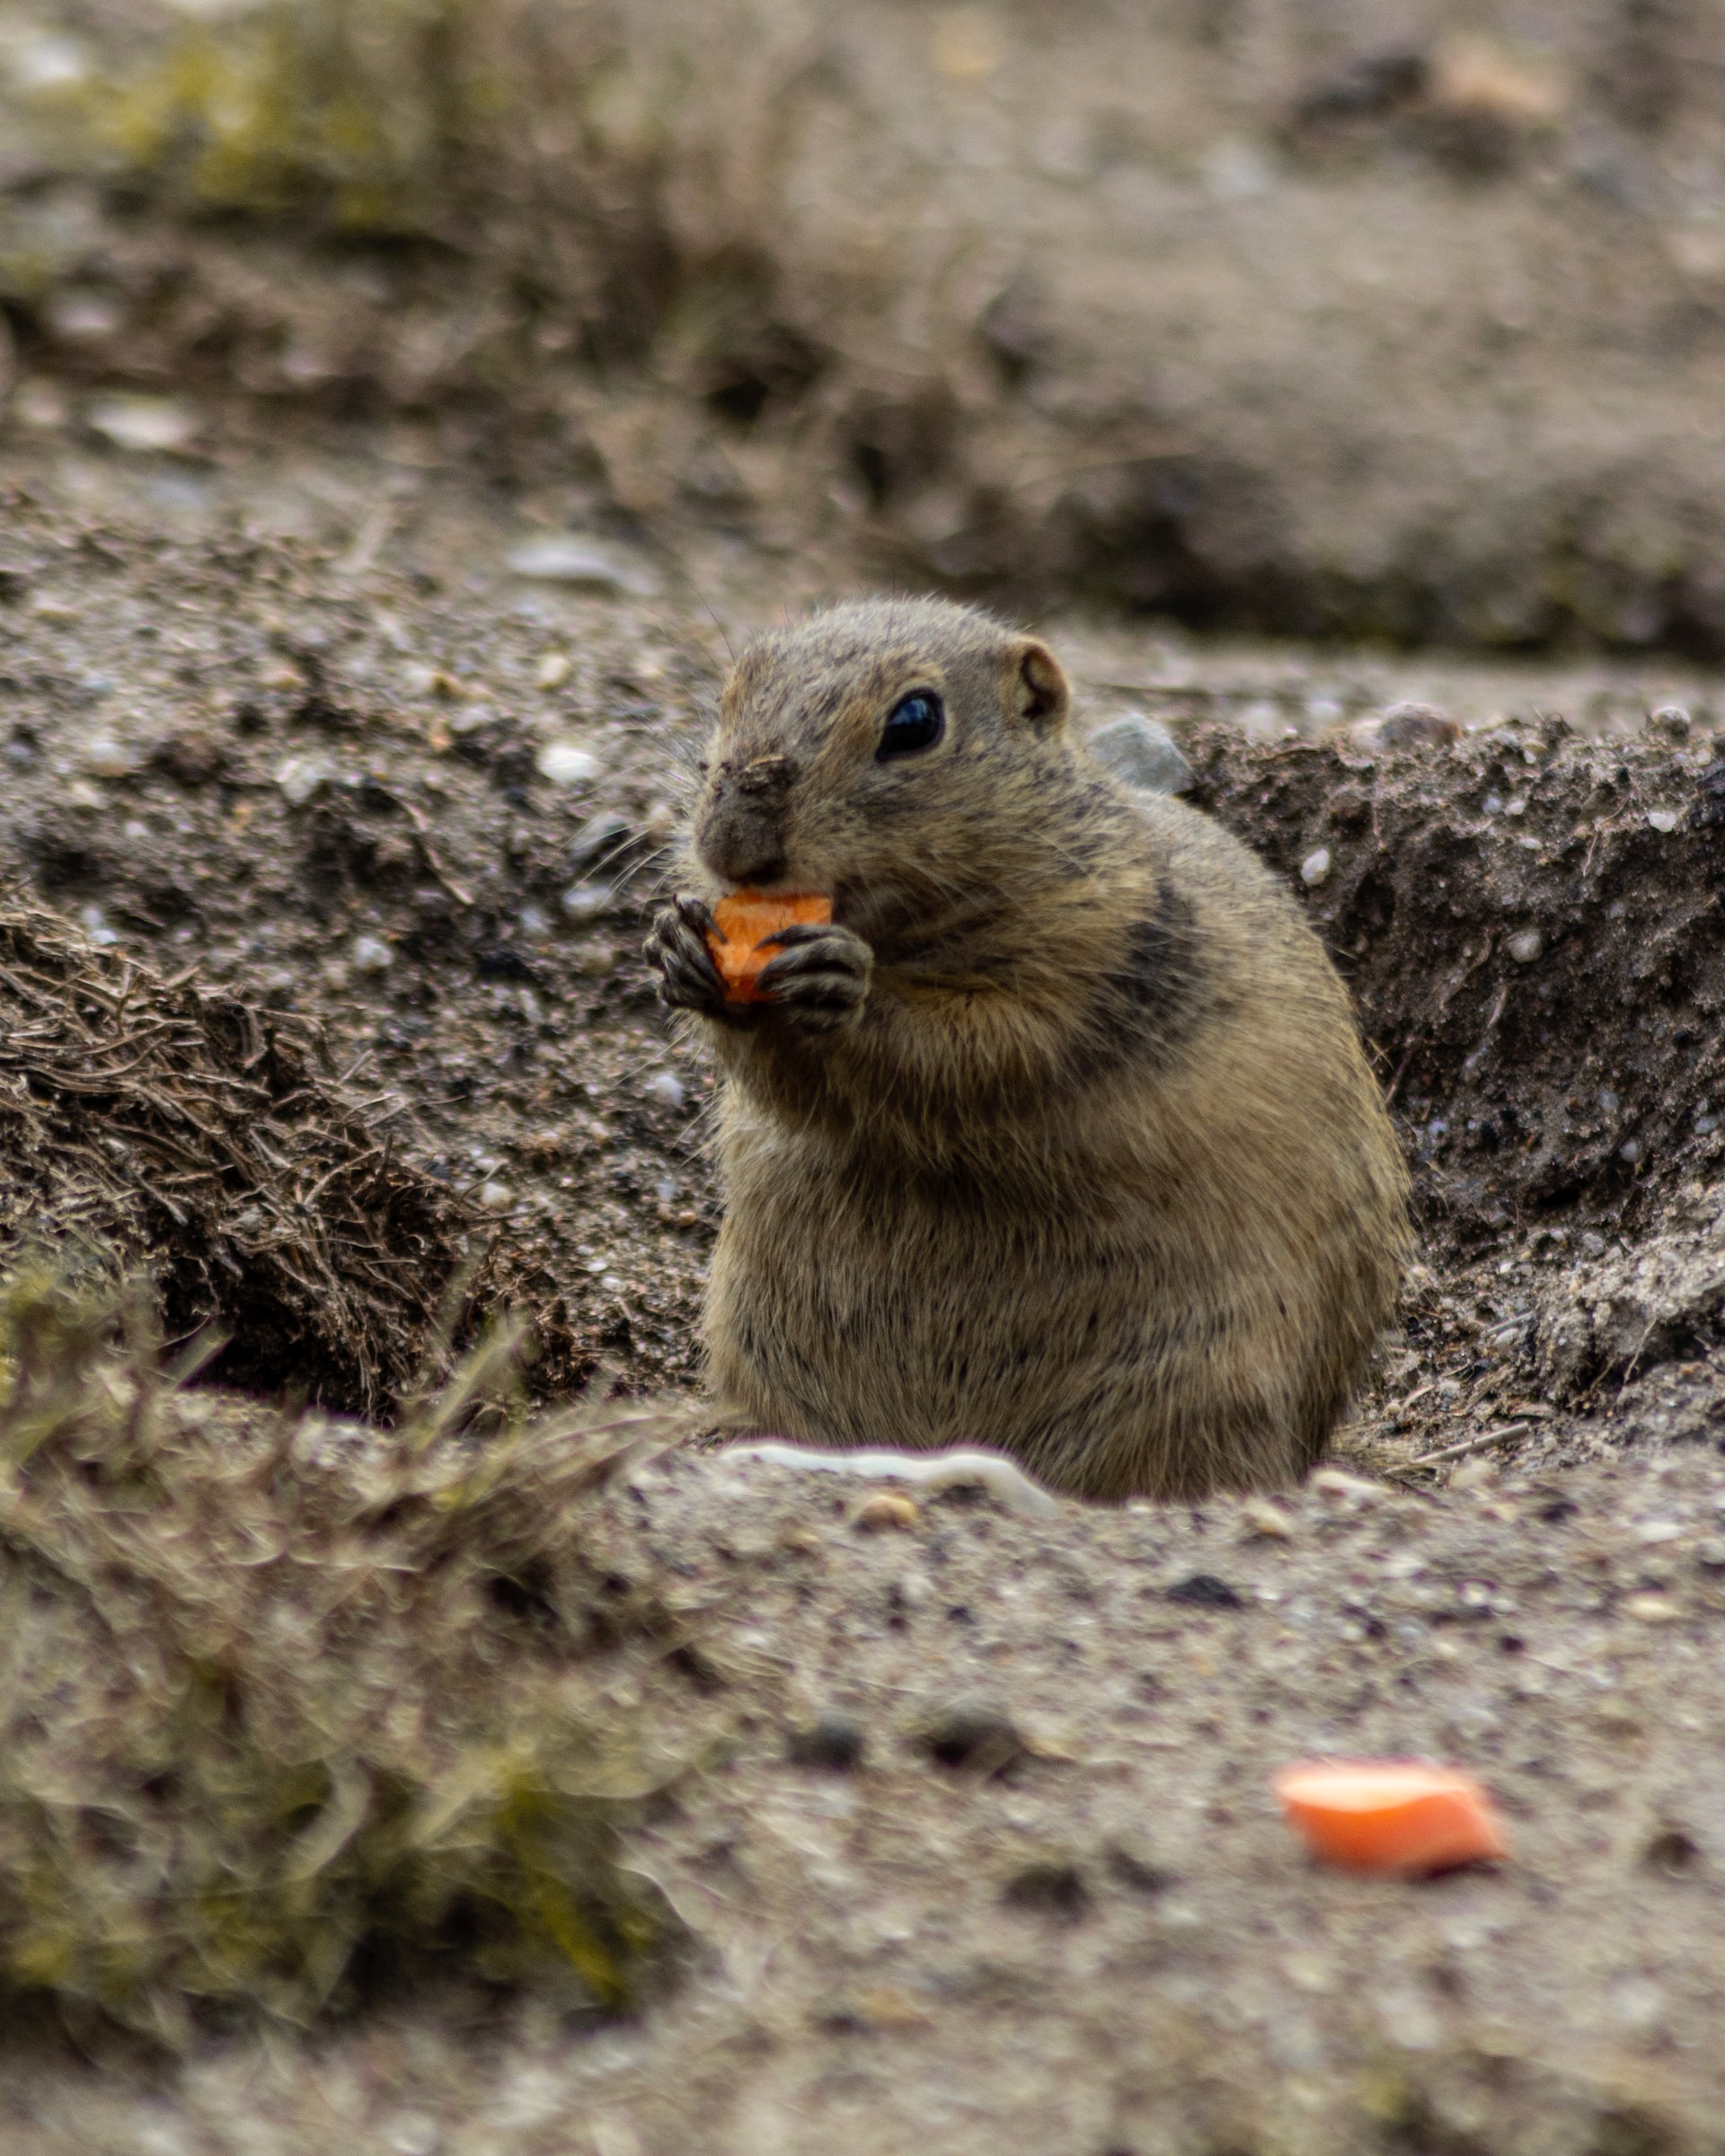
(743, 919)
(1395, 1816)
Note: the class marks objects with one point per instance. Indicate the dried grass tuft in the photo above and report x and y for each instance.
(600, 158)
(188, 1131)
(289, 1708)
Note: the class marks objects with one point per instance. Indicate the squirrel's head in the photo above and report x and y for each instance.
(893, 745)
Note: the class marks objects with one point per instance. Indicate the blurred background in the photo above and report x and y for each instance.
(1395, 322)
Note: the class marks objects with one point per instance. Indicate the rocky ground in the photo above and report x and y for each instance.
(967, 1815)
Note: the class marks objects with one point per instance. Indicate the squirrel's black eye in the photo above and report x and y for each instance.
(917, 722)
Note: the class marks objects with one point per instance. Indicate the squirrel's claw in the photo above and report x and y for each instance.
(676, 949)
(819, 980)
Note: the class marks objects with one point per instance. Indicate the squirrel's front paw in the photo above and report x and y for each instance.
(820, 977)
(678, 952)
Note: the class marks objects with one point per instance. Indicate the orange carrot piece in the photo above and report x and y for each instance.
(744, 920)
(1398, 1816)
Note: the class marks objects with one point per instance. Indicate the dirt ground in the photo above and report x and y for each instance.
(403, 413)
(1386, 318)
(970, 1828)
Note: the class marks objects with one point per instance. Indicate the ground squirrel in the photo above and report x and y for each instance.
(1060, 1137)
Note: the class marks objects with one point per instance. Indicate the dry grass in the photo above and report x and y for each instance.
(290, 1711)
(600, 164)
(184, 1128)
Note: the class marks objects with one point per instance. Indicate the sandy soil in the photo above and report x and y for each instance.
(316, 766)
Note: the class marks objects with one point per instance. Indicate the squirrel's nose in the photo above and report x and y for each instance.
(740, 832)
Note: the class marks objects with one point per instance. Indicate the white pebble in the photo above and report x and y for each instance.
(1527, 946)
(598, 959)
(666, 1088)
(585, 902)
(300, 777)
(1142, 752)
(534, 921)
(108, 758)
(1662, 819)
(370, 954)
(935, 1471)
(495, 1198)
(143, 425)
(1314, 868)
(566, 559)
(554, 670)
(567, 763)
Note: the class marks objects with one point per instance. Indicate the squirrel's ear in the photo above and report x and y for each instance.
(1043, 696)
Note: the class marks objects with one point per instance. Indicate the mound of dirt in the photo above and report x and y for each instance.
(1530, 924)
(163, 1123)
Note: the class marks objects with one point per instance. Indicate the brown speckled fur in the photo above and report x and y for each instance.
(1084, 1161)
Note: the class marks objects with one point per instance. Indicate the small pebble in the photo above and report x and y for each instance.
(585, 902)
(534, 921)
(566, 558)
(1652, 1609)
(194, 755)
(300, 777)
(833, 1741)
(566, 763)
(1630, 1151)
(412, 2133)
(1337, 1482)
(494, 1198)
(554, 670)
(1143, 752)
(1052, 1885)
(370, 954)
(1662, 819)
(1261, 1518)
(1711, 1553)
(886, 1509)
(1527, 946)
(144, 426)
(1314, 868)
(973, 1734)
(1205, 1591)
(1672, 720)
(1416, 726)
(1609, 1103)
(598, 959)
(665, 1088)
(57, 613)
(107, 758)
